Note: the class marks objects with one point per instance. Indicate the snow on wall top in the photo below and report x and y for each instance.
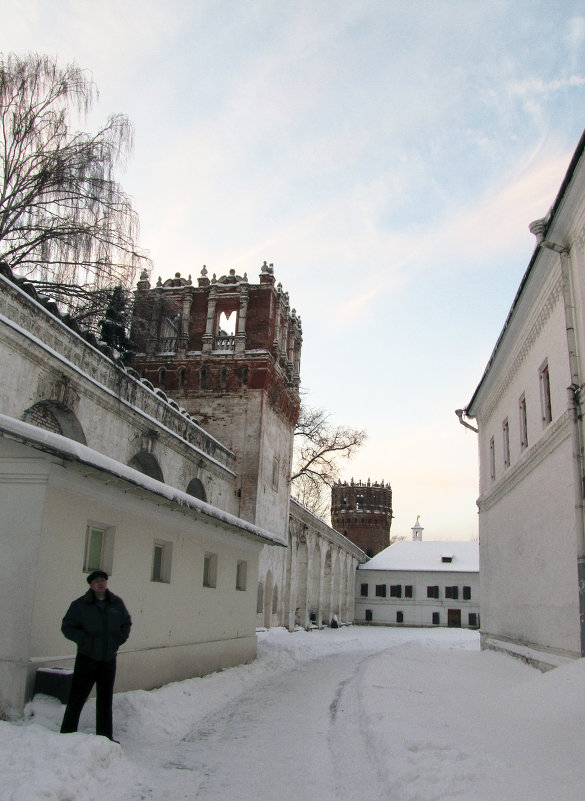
(435, 555)
(74, 451)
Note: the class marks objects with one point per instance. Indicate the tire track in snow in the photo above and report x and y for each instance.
(296, 737)
(355, 768)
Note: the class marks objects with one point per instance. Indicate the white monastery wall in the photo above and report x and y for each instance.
(180, 627)
(47, 362)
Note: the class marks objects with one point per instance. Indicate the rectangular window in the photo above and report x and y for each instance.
(275, 471)
(364, 590)
(473, 619)
(380, 590)
(436, 618)
(94, 547)
(396, 591)
(99, 548)
(408, 591)
(210, 570)
(161, 561)
(241, 575)
(432, 592)
(545, 404)
(400, 617)
(506, 442)
(452, 592)
(492, 459)
(467, 593)
(369, 615)
(523, 420)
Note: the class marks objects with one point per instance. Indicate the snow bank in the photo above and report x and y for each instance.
(441, 719)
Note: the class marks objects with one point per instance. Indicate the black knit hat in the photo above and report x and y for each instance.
(97, 574)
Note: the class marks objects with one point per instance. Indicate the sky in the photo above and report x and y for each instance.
(338, 715)
(387, 156)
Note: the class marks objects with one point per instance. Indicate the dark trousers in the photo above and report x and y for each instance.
(86, 673)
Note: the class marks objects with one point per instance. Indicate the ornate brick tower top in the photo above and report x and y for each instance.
(229, 352)
(363, 513)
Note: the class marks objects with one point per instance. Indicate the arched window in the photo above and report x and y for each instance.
(162, 377)
(55, 417)
(182, 378)
(147, 464)
(196, 489)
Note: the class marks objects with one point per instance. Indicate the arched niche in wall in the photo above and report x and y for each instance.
(196, 489)
(55, 417)
(147, 464)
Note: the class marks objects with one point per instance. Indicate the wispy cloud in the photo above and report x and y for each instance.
(537, 85)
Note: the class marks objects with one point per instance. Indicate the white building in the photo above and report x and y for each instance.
(416, 583)
(529, 412)
(99, 469)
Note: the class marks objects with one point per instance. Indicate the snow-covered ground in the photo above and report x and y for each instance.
(348, 714)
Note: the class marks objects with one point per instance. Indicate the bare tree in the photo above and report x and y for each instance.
(319, 447)
(65, 222)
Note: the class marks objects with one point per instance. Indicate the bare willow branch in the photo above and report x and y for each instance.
(64, 219)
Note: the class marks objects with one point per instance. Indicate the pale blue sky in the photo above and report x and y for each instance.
(386, 156)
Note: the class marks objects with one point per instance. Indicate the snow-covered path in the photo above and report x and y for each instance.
(298, 731)
(333, 715)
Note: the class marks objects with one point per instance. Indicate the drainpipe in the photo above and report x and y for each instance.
(460, 413)
(574, 405)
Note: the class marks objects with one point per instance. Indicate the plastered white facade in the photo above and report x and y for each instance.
(531, 505)
(392, 589)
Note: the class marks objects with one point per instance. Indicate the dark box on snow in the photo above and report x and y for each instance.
(54, 681)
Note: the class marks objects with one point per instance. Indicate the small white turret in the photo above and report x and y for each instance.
(417, 530)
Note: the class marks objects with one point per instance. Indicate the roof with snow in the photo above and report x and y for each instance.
(98, 464)
(431, 555)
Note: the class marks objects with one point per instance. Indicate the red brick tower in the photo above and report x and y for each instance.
(241, 385)
(363, 514)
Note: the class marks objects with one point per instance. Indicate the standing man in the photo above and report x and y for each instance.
(99, 623)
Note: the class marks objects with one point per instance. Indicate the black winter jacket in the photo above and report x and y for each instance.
(98, 632)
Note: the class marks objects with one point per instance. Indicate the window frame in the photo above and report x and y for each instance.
(523, 421)
(161, 572)
(241, 575)
(545, 398)
(506, 442)
(106, 558)
(210, 570)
